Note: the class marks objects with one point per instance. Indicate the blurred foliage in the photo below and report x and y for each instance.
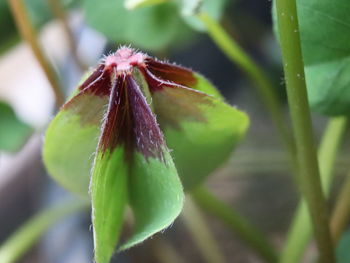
(158, 26)
(188, 9)
(326, 54)
(152, 27)
(342, 251)
(8, 32)
(40, 12)
(13, 132)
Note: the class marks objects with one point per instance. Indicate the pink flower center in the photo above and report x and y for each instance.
(124, 59)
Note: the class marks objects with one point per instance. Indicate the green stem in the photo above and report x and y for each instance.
(308, 176)
(25, 237)
(28, 33)
(238, 56)
(300, 232)
(201, 233)
(235, 223)
(341, 214)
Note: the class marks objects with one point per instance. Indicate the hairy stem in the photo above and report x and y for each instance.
(300, 232)
(28, 234)
(309, 177)
(201, 234)
(238, 56)
(28, 33)
(237, 224)
(59, 12)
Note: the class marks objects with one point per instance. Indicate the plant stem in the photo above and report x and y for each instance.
(165, 252)
(201, 233)
(25, 237)
(28, 33)
(236, 223)
(238, 56)
(300, 232)
(309, 176)
(341, 214)
(59, 12)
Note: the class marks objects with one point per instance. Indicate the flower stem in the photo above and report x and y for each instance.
(238, 56)
(28, 33)
(301, 230)
(341, 214)
(25, 237)
(59, 12)
(201, 233)
(308, 177)
(236, 223)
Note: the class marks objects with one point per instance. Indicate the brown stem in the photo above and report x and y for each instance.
(28, 33)
(59, 12)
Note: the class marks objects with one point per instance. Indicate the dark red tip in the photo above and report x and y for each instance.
(170, 72)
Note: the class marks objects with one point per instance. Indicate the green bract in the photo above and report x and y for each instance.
(139, 125)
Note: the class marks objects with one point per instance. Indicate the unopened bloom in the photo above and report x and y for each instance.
(121, 124)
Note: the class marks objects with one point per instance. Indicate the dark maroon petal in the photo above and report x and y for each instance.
(97, 72)
(118, 123)
(101, 85)
(155, 83)
(149, 138)
(130, 122)
(170, 72)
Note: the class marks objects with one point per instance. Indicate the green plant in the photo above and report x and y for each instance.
(131, 109)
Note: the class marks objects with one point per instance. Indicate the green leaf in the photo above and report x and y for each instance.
(13, 132)
(342, 250)
(326, 53)
(71, 140)
(201, 130)
(133, 4)
(151, 27)
(109, 197)
(156, 196)
(189, 8)
(8, 27)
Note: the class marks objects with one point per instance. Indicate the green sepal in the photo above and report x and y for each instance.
(156, 196)
(206, 86)
(71, 141)
(109, 197)
(201, 131)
